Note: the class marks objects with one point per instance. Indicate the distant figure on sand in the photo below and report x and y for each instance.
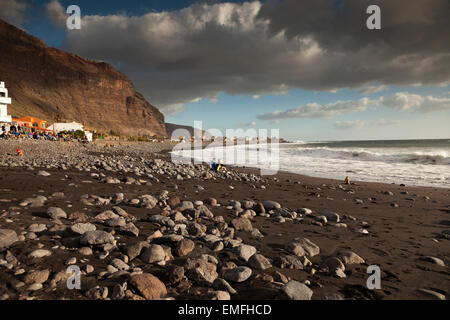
(19, 152)
(216, 166)
(347, 180)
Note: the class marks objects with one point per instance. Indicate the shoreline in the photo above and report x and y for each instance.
(256, 170)
(404, 168)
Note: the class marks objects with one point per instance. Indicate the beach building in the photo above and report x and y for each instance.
(4, 101)
(71, 126)
(89, 136)
(31, 122)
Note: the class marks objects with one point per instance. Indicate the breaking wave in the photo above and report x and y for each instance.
(382, 155)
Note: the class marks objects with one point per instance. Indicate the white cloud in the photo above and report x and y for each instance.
(315, 110)
(56, 13)
(249, 124)
(173, 109)
(433, 104)
(402, 101)
(372, 89)
(176, 108)
(13, 11)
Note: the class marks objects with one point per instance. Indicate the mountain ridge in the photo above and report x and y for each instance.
(50, 83)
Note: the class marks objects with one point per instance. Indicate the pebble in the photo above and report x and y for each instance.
(303, 246)
(184, 247)
(239, 274)
(40, 253)
(85, 251)
(434, 260)
(7, 238)
(244, 251)
(297, 291)
(432, 294)
(56, 213)
(149, 286)
(222, 284)
(258, 261)
(35, 287)
(154, 253)
(82, 228)
(270, 205)
(96, 238)
(43, 173)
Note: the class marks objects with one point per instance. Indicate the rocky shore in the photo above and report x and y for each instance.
(140, 227)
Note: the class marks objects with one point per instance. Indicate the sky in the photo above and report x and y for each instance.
(311, 69)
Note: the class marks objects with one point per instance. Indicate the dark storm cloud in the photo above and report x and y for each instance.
(13, 11)
(408, 26)
(253, 48)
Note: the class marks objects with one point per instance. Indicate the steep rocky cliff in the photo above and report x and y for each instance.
(46, 82)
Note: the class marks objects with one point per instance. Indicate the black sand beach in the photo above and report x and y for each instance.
(407, 227)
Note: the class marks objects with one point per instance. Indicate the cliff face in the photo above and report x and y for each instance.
(45, 82)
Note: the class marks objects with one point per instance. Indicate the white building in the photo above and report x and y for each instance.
(72, 126)
(4, 101)
(88, 135)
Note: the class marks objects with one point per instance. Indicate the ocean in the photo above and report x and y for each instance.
(412, 162)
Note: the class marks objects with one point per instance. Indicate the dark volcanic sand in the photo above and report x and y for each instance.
(397, 238)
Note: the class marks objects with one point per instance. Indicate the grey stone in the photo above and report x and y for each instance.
(81, 228)
(258, 261)
(40, 253)
(37, 228)
(105, 215)
(297, 291)
(116, 222)
(434, 260)
(288, 262)
(242, 224)
(43, 173)
(432, 294)
(222, 284)
(154, 253)
(270, 205)
(120, 265)
(303, 246)
(239, 274)
(134, 250)
(7, 238)
(162, 220)
(130, 229)
(97, 237)
(304, 211)
(244, 251)
(184, 247)
(331, 216)
(56, 213)
(39, 276)
(349, 257)
(202, 271)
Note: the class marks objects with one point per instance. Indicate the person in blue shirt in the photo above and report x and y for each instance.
(213, 164)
